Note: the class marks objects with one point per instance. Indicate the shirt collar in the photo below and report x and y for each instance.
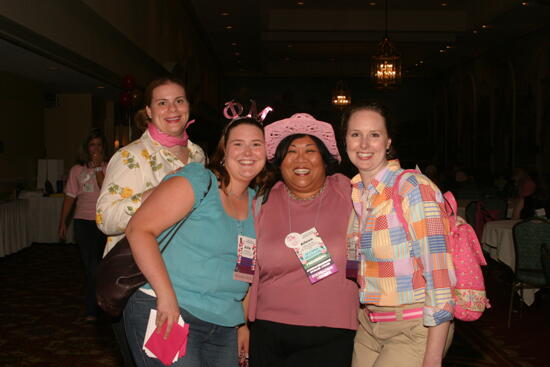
(383, 179)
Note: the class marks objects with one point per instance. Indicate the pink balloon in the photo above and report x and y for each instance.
(125, 99)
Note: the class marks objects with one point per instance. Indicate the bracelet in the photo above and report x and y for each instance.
(98, 169)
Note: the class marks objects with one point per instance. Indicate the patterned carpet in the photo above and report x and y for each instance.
(41, 313)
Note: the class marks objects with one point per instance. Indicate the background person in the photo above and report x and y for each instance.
(193, 277)
(136, 169)
(297, 323)
(83, 185)
(405, 287)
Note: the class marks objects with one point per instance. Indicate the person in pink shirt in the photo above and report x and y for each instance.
(83, 186)
(302, 308)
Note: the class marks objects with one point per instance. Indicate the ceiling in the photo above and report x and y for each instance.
(52, 75)
(281, 38)
(338, 38)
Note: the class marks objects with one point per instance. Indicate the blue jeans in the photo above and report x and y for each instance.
(208, 345)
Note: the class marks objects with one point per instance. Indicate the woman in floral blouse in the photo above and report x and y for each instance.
(136, 169)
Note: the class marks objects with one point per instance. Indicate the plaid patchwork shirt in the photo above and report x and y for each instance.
(392, 270)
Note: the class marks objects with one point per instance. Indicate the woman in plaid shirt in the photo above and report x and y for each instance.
(405, 285)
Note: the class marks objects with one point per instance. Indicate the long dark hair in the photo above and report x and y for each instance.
(217, 162)
(84, 155)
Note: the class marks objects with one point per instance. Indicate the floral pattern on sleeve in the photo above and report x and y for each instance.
(134, 169)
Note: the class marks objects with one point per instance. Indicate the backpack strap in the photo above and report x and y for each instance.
(451, 208)
(398, 200)
(170, 235)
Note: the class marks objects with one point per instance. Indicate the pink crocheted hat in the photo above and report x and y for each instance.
(300, 123)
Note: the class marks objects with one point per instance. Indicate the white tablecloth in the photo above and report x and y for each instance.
(13, 227)
(43, 220)
(498, 241)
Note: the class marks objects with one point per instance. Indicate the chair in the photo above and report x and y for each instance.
(529, 237)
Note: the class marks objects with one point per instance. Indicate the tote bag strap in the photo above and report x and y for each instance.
(170, 235)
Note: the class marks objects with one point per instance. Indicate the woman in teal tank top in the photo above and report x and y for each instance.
(197, 276)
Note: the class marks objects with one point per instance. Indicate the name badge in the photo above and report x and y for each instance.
(353, 260)
(246, 259)
(314, 256)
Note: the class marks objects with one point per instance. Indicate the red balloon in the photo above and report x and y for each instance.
(128, 82)
(125, 99)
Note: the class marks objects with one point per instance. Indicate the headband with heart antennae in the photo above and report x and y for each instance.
(233, 111)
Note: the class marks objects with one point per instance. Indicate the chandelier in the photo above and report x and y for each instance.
(340, 96)
(386, 63)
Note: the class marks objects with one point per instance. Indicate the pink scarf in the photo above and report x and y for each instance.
(168, 140)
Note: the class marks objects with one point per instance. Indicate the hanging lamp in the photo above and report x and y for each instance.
(386, 63)
(341, 97)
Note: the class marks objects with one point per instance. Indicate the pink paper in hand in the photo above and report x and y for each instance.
(166, 350)
(183, 348)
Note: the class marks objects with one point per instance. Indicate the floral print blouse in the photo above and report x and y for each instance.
(134, 169)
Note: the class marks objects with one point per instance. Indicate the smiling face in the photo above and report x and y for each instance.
(303, 168)
(95, 147)
(169, 109)
(245, 153)
(366, 143)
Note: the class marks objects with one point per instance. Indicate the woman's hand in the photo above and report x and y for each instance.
(168, 311)
(97, 159)
(243, 338)
(62, 230)
(435, 345)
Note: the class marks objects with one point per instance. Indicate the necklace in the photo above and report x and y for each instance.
(294, 239)
(292, 195)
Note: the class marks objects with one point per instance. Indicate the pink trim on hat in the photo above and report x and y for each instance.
(300, 123)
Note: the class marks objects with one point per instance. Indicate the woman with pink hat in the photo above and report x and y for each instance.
(303, 310)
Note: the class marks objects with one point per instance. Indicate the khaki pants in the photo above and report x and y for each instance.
(398, 343)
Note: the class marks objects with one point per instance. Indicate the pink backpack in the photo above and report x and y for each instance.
(469, 291)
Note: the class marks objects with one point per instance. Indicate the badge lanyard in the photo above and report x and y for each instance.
(246, 252)
(294, 239)
(310, 249)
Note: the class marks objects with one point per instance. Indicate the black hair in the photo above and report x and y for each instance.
(331, 163)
